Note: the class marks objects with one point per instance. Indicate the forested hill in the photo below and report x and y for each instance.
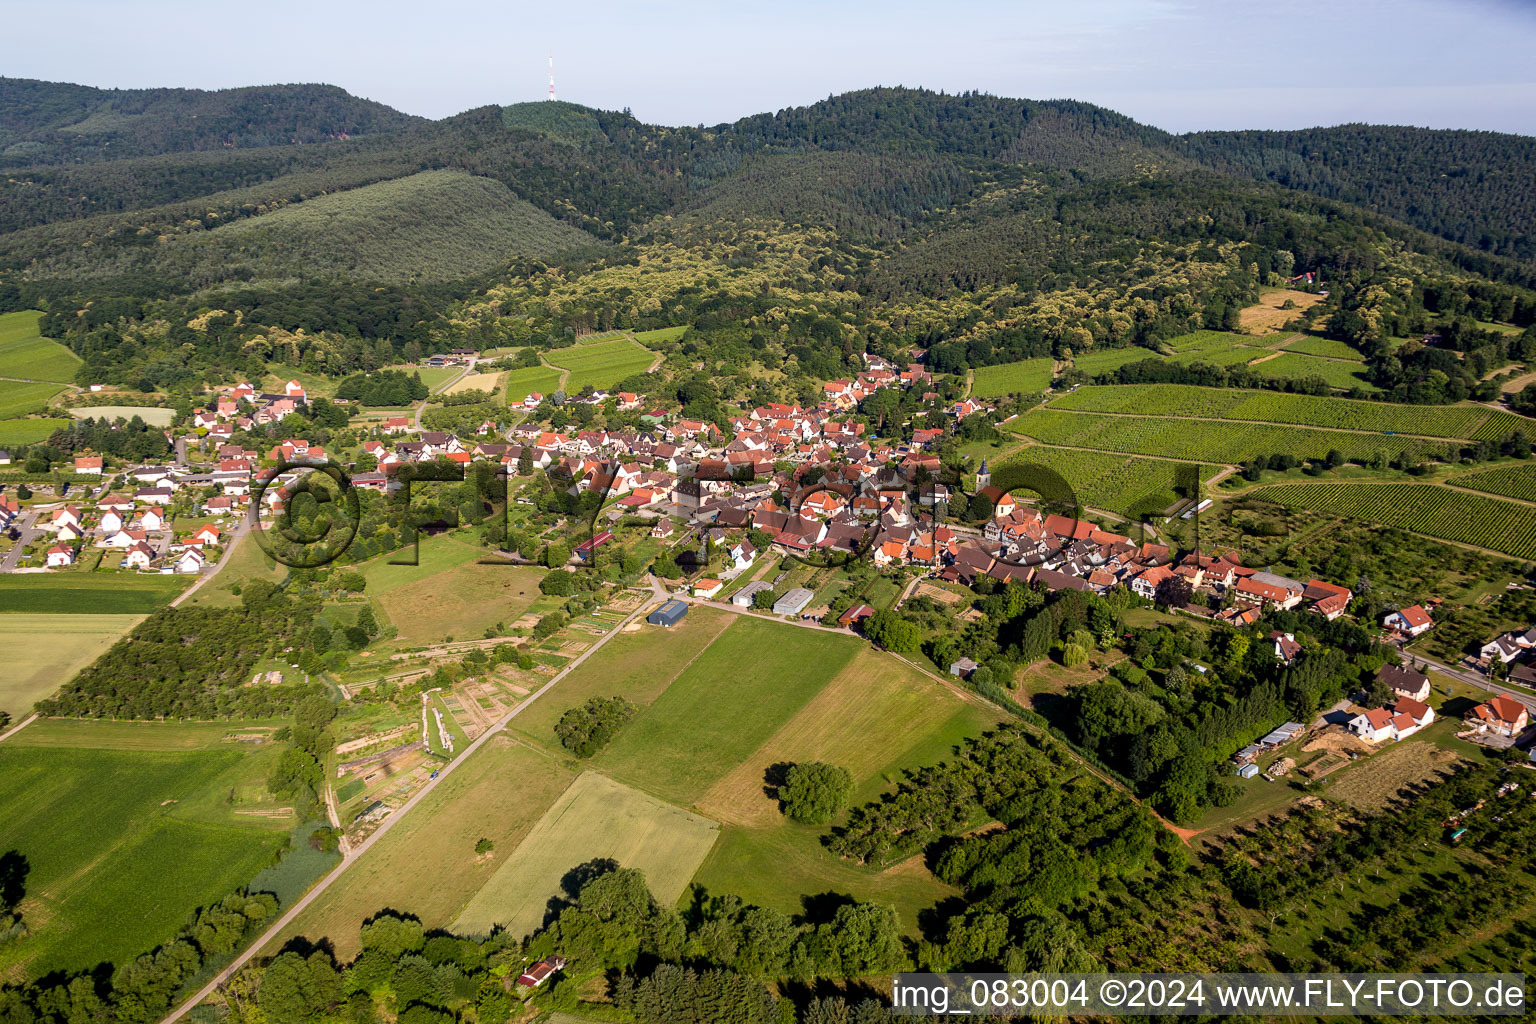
(55, 122)
(1477, 188)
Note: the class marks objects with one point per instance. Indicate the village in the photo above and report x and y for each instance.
(767, 516)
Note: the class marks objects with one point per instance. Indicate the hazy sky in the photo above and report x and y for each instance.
(1178, 64)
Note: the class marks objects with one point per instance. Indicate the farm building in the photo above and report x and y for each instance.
(707, 588)
(539, 973)
(1248, 771)
(743, 597)
(1284, 734)
(793, 602)
(962, 668)
(585, 549)
(669, 614)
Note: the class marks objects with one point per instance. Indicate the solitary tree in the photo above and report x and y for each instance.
(814, 791)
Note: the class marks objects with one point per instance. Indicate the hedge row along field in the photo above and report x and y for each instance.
(1472, 422)
(1115, 483)
(1423, 508)
(1515, 481)
(1201, 441)
(1018, 378)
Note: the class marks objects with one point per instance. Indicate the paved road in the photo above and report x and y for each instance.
(241, 530)
(1479, 680)
(26, 525)
(450, 382)
(351, 858)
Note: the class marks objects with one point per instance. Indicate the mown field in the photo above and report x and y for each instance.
(27, 354)
(43, 651)
(460, 602)
(123, 844)
(14, 432)
(1022, 377)
(155, 416)
(18, 398)
(427, 864)
(1208, 441)
(728, 701)
(1469, 421)
(1423, 508)
(601, 364)
(1116, 483)
(83, 593)
(1512, 481)
(595, 819)
(543, 380)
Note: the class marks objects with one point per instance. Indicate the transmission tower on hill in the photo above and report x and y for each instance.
(551, 76)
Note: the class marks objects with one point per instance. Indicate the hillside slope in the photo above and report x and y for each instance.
(54, 122)
(431, 226)
(1477, 188)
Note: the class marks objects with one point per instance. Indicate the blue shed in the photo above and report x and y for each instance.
(669, 614)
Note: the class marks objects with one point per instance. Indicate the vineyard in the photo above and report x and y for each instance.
(1114, 483)
(1215, 347)
(602, 364)
(1423, 508)
(1338, 373)
(1329, 347)
(1095, 362)
(530, 379)
(1208, 441)
(1474, 422)
(1018, 378)
(1516, 481)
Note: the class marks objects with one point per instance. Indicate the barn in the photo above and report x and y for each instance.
(669, 614)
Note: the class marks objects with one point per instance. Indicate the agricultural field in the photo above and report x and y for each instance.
(1219, 348)
(875, 718)
(1517, 480)
(1469, 421)
(661, 334)
(1115, 483)
(23, 399)
(602, 365)
(43, 651)
(427, 864)
(155, 416)
(27, 355)
(728, 700)
(461, 601)
(123, 844)
(1422, 508)
(476, 382)
(1268, 315)
(1330, 348)
(30, 431)
(543, 380)
(1095, 362)
(1207, 441)
(1022, 377)
(1339, 373)
(433, 555)
(637, 666)
(83, 593)
(595, 819)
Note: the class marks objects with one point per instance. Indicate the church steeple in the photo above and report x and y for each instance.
(983, 476)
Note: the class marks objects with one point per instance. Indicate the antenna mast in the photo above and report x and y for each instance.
(551, 76)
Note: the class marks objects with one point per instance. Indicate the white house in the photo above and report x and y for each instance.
(139, 556)
(189, 561)
(1372, 726)
(59, 556)
(707, 588)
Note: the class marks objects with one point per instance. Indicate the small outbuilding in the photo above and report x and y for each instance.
(669, 614)
(743, 597)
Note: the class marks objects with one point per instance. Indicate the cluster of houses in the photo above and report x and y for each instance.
(1516, 651)
(241, 407)
(137, 525)
(1404, 716)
